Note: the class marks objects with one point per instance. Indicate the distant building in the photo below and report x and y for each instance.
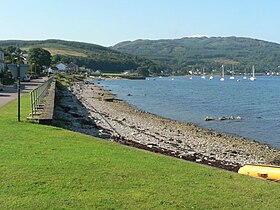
(95, 73)
(61, 67)
(1, 62)
(73, 67)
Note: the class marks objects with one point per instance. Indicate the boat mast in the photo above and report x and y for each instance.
(245, 74)
(253, 72)
(223, 74)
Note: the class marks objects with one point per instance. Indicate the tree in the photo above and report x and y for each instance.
(56, 59)
(18, 57)
(142, 72)
(39, 56)
(154, 70)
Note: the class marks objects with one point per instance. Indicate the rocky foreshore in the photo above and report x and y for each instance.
(130, 126)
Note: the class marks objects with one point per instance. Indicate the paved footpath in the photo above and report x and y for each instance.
(9, 92)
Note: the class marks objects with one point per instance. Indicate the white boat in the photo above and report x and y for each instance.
(253, 77)
(190, 74)
(245, 77)
(211, 77)
(232, 73)
(223, 74)
(203, 75)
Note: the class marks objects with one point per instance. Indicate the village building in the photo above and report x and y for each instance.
(95, 73)
(71, 67)
(61, 67)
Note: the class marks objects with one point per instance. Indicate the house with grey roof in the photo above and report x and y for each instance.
(73, 67)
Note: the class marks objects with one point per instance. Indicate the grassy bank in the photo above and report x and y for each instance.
(44, 167)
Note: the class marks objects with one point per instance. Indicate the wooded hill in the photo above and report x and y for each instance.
(169, 55)
(84, 54)
(186, 54)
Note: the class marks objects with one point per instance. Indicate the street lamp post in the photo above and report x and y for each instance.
(18, 71)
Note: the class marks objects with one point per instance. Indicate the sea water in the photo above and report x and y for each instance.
(191, 100)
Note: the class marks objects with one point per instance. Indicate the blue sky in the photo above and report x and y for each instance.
(107, 22)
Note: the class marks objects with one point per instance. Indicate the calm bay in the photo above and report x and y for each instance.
(179, 98)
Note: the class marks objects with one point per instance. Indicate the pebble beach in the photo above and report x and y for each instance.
(128, 125)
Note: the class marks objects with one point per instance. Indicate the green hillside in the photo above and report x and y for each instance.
(210, 53)
(85, 54)
(176, 55)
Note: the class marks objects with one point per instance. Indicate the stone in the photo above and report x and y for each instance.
(74, 114)
(88, 121)
(209, 118)
(151, 145)
(222, 118)
(104, 135)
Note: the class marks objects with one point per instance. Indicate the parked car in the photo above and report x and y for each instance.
(26, 78)
(34, 76)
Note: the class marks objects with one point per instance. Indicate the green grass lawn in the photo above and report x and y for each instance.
(44, 167)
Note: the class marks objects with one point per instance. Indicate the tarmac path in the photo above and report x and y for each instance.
(9, 92)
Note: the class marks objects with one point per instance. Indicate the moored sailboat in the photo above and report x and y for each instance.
(253, 77)
(245, 75)
(223, 74)
(232, 73)
(203, 74)
(190, 75)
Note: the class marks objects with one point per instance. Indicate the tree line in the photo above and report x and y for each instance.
(106, 61)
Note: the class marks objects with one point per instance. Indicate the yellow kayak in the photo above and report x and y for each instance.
(261, 171)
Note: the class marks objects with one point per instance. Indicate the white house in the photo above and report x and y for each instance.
(61, 67)
(1, 62)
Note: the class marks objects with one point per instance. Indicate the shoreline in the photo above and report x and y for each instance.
(130, 126)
